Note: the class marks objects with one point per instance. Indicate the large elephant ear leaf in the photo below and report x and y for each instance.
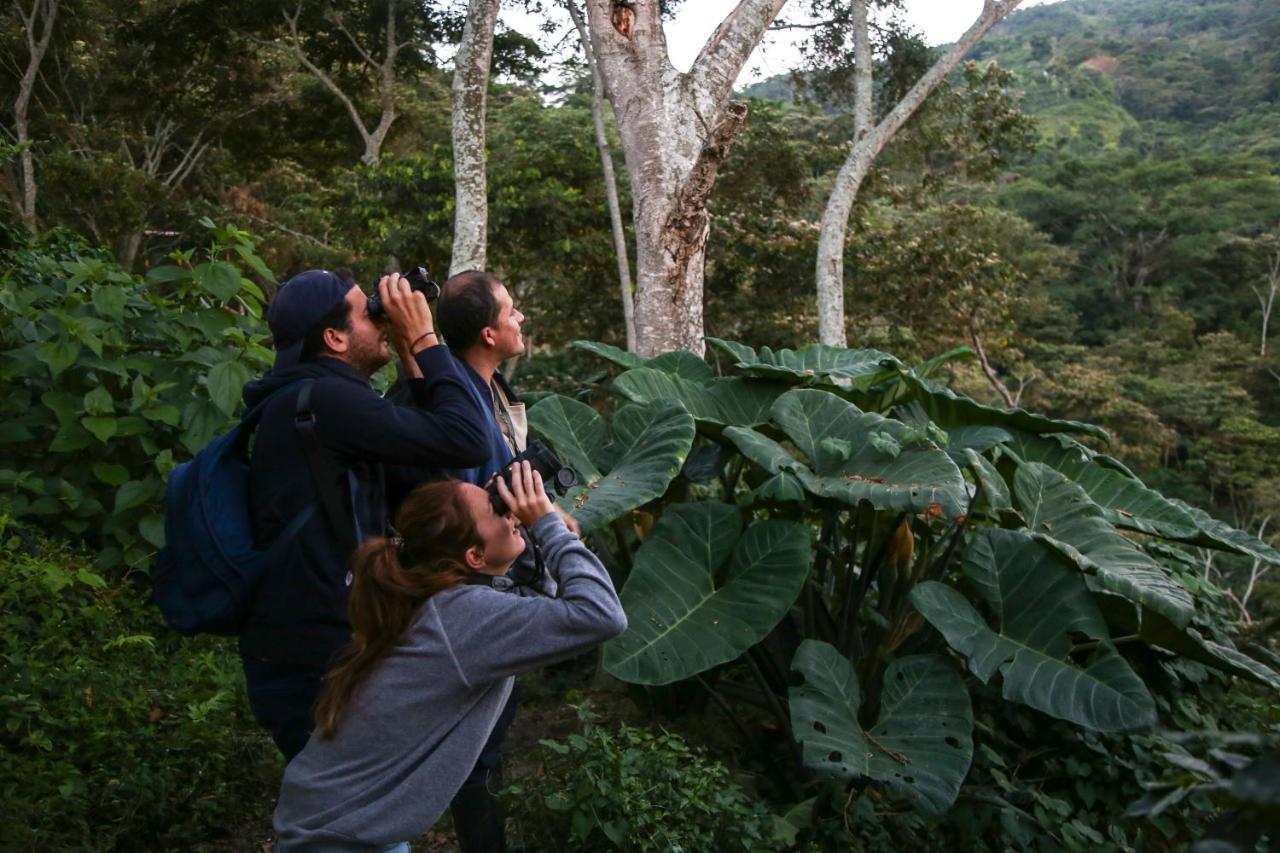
(620, 357)
(921, 746)
(685, 612)
(949, 410)
(1126, 502)
(718, 402)
(1039, 600)
(648, 449)
(1060, 511)
(856, 456)
(1219, 534)
(856, 368)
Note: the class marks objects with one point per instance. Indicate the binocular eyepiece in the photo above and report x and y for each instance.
(419, 280)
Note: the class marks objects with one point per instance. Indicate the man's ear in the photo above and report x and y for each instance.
(474, 558)
(336, 339)
(489, 336)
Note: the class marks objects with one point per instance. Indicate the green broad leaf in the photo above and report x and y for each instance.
(69, 438)
(1038, 600)
(720, 402)
(133, 494)
(151, 529)
(921, 478)
(99, 402)
(201, 421)
(110, 301)
(994, 489)
(101, 428)
(250, 257)
(217, 278)
(780, 488)
(58, 355)
(681, 620)
(1059, 510)
(111, 474)
(163, 413)
(684, 364)
(1156, 630)
(1219, 534)
(167, 273)
(740, 353)
(950, 410)
(66, 407)
(620, 473)
(857, 368)
(226, 383)
(620, 357)
(926, 369)
(1127, 502)
(922, 744)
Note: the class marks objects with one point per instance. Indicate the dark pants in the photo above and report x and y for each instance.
(283, 700)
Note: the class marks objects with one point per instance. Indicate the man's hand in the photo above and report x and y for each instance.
(412, 328)
(527, 498)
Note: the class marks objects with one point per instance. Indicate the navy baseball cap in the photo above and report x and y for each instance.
(299, 304)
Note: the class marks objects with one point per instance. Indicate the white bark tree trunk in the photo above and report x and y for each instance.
(384, 69)
(38, 29)
(868, 142)
(676, 130)
(610, 180)
(1267, 300)
(470, 92)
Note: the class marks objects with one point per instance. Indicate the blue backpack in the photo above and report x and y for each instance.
(209, 568)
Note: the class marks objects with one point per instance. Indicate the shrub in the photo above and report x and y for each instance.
(633, 790)
(116, 732)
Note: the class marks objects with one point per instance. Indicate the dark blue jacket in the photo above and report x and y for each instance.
(299, 614)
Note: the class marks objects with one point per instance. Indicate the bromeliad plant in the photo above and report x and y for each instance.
(858, 536)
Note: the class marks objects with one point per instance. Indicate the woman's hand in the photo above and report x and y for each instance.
(527, 498)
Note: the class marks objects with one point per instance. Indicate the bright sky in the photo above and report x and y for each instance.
(941, 21)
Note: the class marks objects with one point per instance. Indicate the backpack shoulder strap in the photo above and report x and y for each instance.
(304, 420)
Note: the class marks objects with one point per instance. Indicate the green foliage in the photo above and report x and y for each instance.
(117, 734)
(634, 790)
(989, 532)
(111, 379)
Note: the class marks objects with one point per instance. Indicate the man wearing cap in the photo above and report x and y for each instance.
(323, 332)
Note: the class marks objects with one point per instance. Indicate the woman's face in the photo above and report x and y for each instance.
(499, 535)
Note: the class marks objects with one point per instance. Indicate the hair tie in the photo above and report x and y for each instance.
(397, 541)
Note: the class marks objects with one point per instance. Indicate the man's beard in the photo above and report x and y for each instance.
(369, 359)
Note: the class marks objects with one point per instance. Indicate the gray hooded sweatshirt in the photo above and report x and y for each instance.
(414, 729)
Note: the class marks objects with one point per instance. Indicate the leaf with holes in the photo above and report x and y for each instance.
(701, 592)
(617, 474)
(922, 744)
(1039, 601)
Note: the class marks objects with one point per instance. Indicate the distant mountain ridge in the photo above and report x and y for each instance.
(1099, 67)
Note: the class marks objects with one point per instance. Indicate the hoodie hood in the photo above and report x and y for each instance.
(260, 389)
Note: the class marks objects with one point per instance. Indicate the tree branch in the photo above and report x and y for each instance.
(725, 53)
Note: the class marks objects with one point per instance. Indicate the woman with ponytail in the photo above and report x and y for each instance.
(436, 646)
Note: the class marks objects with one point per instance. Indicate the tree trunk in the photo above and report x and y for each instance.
(867, 145)
(1267, 301)
(610, 180)
(470, 90)
(41, 17)
(676, 130)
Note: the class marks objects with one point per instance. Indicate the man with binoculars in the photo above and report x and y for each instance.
(319, 466)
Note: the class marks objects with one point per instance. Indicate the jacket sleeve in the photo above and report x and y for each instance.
(354, 421)
(494, 634)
